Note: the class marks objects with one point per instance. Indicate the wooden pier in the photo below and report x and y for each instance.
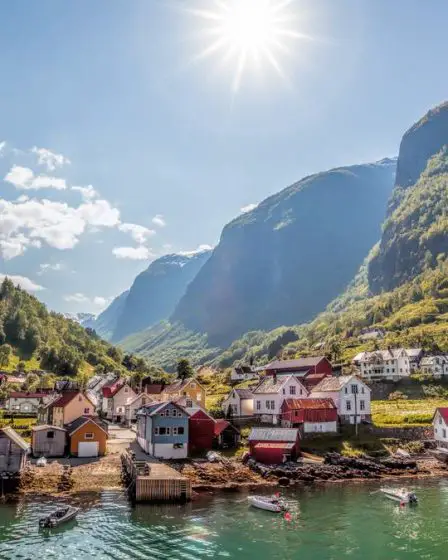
(150, 480)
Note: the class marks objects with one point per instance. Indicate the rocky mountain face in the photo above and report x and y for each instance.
(415, 233)
(152, 297)
(284, 261)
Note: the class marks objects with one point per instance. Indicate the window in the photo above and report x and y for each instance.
(162, 413)
(126, 389)
(258, 405)
(88, 435)
(345, 390)
(162, 431)
(181, 430)
(268, 405)
(272, 405)
(198, 396)
(193, 385)
(50, 435)
(189, 403)
(292, 390)
(174, 431)
(174, 412)
(354, 389)
(440, 420)
(362, 405)
(168, 431)
(284, 391)
(156, 431)
(444, 433)
(349, 405)
(87, 411)
(143, 400)
(362, 390)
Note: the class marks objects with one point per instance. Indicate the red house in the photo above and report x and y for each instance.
(311, 415)
(274, 446)
(303, 366)
(201, 431)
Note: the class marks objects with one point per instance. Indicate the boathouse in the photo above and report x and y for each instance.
(226, 435)
(310, 415)
(273, 446)
(49, 441)
(14, 451)
(88, 437)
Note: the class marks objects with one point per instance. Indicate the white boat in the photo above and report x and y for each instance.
(400, 495)
(58, 517)
(41, 462)
(268, 503)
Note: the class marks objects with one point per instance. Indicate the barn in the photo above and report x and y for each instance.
(49, 441)
(310, 415)
(201, 430)
(273, 446)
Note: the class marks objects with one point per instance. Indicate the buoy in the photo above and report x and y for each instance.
(402, 504)
(287, 516)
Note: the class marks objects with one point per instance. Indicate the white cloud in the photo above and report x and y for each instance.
(87, 193)
(24, 282)
(200, 249)
(134, 253)
(248, 208)
(78, 297)
(2, 146)
(23, 178)
(159, 220)
(49, 159)
(43, 268)
(32, 222)
(140, 234)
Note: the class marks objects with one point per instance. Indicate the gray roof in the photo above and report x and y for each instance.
(244, 393)
(14, 436)
(298, 363)
(273, 434)
(390, 353)
(47, 427)
(270, 384)
(331, 384)
(76, 424)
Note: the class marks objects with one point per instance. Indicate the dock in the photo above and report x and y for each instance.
(151, 480)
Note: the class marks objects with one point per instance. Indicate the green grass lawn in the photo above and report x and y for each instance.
(405, 413)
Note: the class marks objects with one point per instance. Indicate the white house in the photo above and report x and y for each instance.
(133, 404)
(392, 364)
(350, 395)
(440, 425)
(437, 366)
(270, 394)
(240, 402)
(26, 402)
(243, 373)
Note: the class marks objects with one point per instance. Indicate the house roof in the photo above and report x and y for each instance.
(43, 427)
(273, 384)
(180, 384)
(111, 387)
(273, 434)
(67, 398)
(443, 411)
(244, 393)
(302, 363)
(154, 388)
(331, 384)
(14, 436)
(24, 394)
(133, 398)
(221, 425)
(81, 421)
(389, 354)
(152, 409)
(316, 404)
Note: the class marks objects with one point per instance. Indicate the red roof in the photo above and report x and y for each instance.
(310, 410)
(24, 394)
(220, 426)
(111, 388)
(277, 445)
(321, 404)
(443, 413)
(154, 388)
(66, 398)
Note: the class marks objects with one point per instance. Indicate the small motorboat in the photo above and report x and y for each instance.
(400, 495)
(41, 462)
(268, 503)
(56, 518)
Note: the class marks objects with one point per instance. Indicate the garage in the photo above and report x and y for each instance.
(88, 437)
(88, 449)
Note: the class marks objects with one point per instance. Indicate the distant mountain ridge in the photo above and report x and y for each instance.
(152, 296)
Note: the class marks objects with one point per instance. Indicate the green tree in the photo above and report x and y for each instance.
(184, 369)
(31, 382)
(5, 355)
(397, 396)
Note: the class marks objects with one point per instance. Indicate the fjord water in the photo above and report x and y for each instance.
(330, 522)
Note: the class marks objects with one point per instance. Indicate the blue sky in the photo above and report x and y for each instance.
(171, 147)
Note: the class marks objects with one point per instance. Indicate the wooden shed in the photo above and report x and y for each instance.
(201, 427)
(88, 437)
(226, 435)
(49, 441)
(273, 446)
(13, 451)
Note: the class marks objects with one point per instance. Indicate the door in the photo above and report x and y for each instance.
(88, 449)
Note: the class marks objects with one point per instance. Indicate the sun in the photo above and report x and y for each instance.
(250, 33)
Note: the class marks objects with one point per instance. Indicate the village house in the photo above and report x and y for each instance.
(133, 404)
(392, 364)
(14, 451)
(106, 393)
(117, 400)
(87, 436)
(440, 426)
(162, 430)
(226, 435)
(350, 395)
(243, 373)
(25, 402)
(436, 366)
(270, 394)
(239, 403)
(310, 370)
(201, 430)
(48, 441)
(274, 446)
(189, 387)
(310, 415)
(65, 408)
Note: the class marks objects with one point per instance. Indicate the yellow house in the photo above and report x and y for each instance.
(189, 388)
(68, 407)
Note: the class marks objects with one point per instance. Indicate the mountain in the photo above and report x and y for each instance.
(106, 322)
(84, 319)
(152, 297)
(286, 260)
(415, 233)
